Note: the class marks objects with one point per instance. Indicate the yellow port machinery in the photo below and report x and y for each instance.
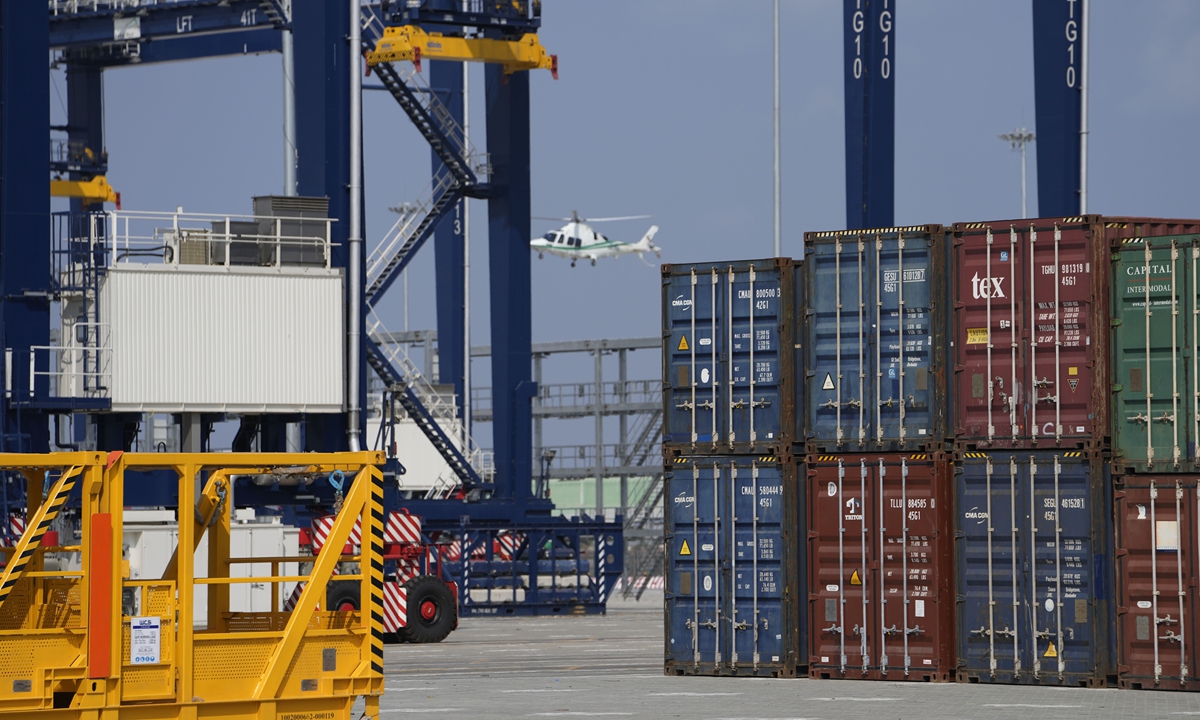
(91, 643)
(409, 42)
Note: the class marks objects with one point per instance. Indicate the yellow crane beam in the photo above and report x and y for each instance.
(96, 190)
(409, 42)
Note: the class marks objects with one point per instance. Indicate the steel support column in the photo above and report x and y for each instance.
(322, 55)
(24, 214)
(508, 257)
(446, 80)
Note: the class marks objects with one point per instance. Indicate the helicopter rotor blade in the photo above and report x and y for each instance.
(612, 219)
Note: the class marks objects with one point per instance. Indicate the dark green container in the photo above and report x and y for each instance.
(1156, 332)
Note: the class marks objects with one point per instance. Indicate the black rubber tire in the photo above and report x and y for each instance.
(442, 610)
(338, 594)
(392, 638)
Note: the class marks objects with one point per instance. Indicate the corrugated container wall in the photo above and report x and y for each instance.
(1157, 546)
(1030, 333)
(190, 338)
(729, 346)
(1156, 335)
(875, 361)
(1034, 568)
(733, 528)
(881, 564)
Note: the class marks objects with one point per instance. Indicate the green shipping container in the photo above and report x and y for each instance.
(1156, 332)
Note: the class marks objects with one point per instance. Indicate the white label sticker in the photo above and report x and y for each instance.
(1166, 535)
(707, 547)
(706, 341)
(919, 608)
(831, 588)
(824, 658)
(704, 375)
(708, 582)
(144, 635)
(828, 384)
(1145, 604)
(831, 489)
(1049, 605)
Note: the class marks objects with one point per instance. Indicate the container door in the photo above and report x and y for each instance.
(756, 620)
(1149, 426)
(903, 323)
(841, 345)
(839, 595)
(695, 580)
(694, 346)
(993, 624)
(913, 634)
(1061, 294)
(989, 331)
(1156, 549)
(754, 406)
(1062, 585)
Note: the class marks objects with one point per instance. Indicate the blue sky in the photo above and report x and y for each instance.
(665, 108)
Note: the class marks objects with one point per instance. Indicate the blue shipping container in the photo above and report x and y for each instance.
(875, 335)
(729, 356)
(733, 526)
(1034, 569)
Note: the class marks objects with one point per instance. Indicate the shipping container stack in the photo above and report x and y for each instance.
(733, 505)
(1154, 430)
(880, 597)
(1032, 492)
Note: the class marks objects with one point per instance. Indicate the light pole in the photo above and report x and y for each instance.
(1019, 138)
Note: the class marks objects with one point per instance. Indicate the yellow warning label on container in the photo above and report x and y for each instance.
(855, 579)
(1072, 370)
(1050, 651)
(683, 342)
(685, 550)
(977, 336)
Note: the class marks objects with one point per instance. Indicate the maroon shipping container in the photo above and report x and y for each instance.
(881, 567)
(1157, 548)
(1031, 333)
(1118, 228)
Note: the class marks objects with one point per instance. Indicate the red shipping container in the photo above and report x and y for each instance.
(1157, 548)
(1031, 333)
(881, 563)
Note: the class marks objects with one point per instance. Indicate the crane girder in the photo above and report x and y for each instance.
(411, 43)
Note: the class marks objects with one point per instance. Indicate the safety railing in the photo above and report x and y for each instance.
(95, 638)
(438, 404)
(123, 238)
(580, 396)
(80, 367)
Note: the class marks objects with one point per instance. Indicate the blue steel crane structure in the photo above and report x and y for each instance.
(98, 34)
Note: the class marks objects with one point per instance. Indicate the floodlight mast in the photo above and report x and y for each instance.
(1018, 139)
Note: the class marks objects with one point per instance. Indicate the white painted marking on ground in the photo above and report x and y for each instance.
(853, 699)
(568, 713)
(534, 690)
(694, 694)
(1028, 705)
(420, 710)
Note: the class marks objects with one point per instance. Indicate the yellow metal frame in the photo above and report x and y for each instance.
(411, 43)
(65, 643)
(96, 190)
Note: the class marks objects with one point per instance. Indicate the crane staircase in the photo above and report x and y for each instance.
(459, 177)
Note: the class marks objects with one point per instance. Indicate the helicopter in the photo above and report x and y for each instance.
(578, 241)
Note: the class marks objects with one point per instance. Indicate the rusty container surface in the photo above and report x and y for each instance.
(1031, 333)
(1034, 569)
(735, 571)
(881, 567)
(729, 351)
(1157, 546)
(1119, 228)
